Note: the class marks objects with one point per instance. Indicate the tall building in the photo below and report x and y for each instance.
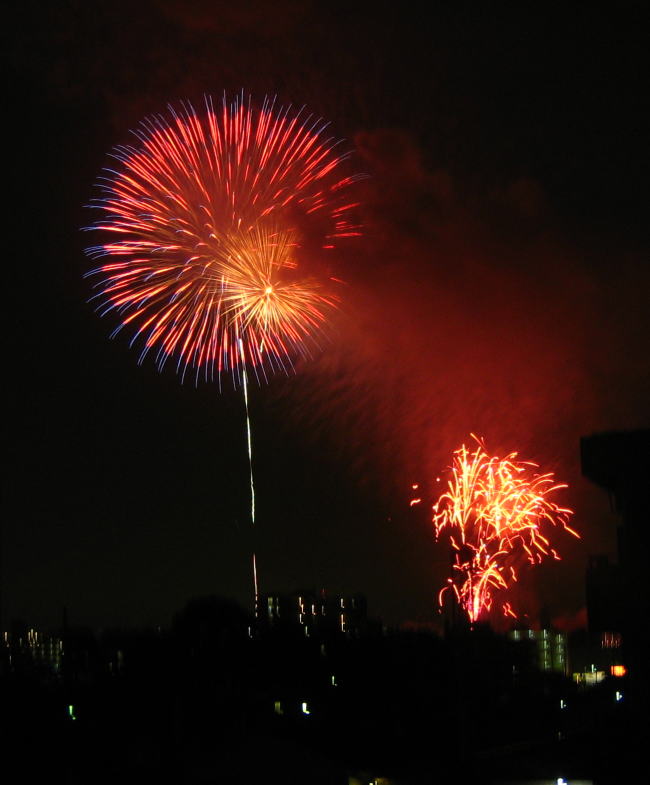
(605, 597)
(619, 462)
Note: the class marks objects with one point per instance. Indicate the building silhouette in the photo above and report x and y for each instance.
(619, 462)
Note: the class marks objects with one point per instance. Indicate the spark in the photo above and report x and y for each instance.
(495, 514)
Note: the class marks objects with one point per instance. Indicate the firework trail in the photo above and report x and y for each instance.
(202, 223)
(249, 444)
(493, 513)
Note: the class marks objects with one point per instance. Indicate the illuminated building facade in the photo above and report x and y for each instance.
(29, 648)
(549, 647)
(316, 613)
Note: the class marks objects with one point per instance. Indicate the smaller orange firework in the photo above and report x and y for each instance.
(493, 513)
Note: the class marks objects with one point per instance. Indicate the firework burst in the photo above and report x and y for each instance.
(495, 513)
(202, 222)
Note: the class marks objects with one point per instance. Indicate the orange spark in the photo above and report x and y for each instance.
(493, 512)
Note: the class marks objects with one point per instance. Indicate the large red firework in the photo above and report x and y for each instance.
(203, 220)
(496, 514)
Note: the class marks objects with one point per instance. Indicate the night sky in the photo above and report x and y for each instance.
(500, 288)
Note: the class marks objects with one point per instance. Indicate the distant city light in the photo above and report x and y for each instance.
(305, 710)
(611, 640)
(618, 670)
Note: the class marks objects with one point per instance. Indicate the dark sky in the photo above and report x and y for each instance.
(501, 287)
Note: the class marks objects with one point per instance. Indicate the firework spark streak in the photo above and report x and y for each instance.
(249, 443)
(203, 220)
(494, 514)
(202, 223)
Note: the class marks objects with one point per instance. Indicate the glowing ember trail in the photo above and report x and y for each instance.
(495, 515)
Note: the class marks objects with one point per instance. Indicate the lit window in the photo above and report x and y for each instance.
(611, 640)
